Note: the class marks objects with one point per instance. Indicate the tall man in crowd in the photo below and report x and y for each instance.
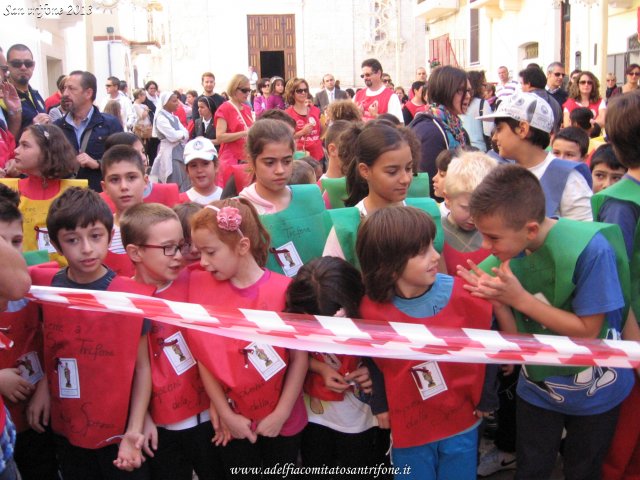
(208, 84)
(376, 99)
(127, 113)
(329, 93)
(555, 79)
(505, 86)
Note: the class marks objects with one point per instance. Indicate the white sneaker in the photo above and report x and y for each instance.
(495, 460)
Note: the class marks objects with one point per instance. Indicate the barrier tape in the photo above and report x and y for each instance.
(360, 337)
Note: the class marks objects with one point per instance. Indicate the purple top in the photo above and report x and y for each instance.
(275, 101)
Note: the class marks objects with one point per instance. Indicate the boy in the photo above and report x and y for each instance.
(124, 182)
(152, 234)
(201, 160)
(605, 168)
(566, 283)
(97, 366)
(462, 240)
(523, 125)
(571, 143)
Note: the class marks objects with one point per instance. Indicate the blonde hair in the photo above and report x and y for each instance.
(235, 82)
(250, 226)
(136, 221)
(466, 171)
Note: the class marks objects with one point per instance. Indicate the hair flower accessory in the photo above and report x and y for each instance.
(229, 218)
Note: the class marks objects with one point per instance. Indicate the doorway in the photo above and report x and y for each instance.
(272, 64)
(272, 45)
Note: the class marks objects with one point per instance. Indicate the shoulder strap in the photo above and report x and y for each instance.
(422, 116)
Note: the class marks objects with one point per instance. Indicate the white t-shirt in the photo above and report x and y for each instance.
(393, 107)
(116, 245)
(349, 415)
(202, 199)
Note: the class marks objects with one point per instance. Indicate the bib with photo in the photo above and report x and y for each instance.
(68, 378)
(43, 240)
(30, 368)
(178, 353)
(265, 360)
(428, 379)
(289, 259)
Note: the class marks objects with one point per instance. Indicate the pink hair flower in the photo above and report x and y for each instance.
(229, 219)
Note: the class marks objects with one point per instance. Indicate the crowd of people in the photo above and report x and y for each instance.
(513, 207)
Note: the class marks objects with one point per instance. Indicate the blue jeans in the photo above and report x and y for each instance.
(452, 458)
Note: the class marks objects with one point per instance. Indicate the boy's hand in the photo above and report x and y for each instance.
(239, 427)
(150, 432)
(130, 452)
(383, 420)
(361, 377)
(503, 289)
(13, 387)
(39, 407)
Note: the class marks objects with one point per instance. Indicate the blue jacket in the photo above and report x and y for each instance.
(100, 126)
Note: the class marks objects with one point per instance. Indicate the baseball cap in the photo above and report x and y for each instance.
(525, 107)
(200, 147)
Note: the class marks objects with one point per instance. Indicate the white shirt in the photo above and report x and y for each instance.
(128, 115)
(202, 199)
(576, 197)
(393, 107)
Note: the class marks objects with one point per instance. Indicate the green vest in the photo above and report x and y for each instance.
(299, 232)
(628, 191)
(35, 257)
(336, 188)
(549, 271)
(430, 206)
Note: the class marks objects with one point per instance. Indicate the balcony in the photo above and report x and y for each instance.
(495, 8)
(434, 9)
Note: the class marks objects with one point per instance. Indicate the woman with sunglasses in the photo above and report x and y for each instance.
(308, 127)
(260, 102)
(633, 76)
(232, 120)
(585, 93)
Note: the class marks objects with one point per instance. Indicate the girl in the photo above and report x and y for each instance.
(142, 128)
(276, 91)
(294, 215)
(432, 412)
(203, 126)
(201, 159)
(341, 427)
(255, 388)
(260, 102)
(47, 159)
(418, 102)
(232, 120)
(381, 163)
(308, 127)
(167, 166)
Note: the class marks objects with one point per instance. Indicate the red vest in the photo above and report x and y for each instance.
(120, 263)
(314, 383)
(453, 257)
(24, 328)
(227, 359)
(165, 193)
(364, 102)
(415, 421)
(92, 356)
(173, 397)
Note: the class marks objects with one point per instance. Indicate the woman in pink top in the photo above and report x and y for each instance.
(585, 93)
(232, 120)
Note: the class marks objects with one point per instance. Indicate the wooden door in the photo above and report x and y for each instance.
(272, 33)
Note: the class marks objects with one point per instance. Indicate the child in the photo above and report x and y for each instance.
(294, 215)
(442, 164)
(255, 388)
(571, 143)
(341, 428)
(462, 240)
(605, 168)
(178, 420)
(96, 366)
(201, 160)
(382, 161)
(185, 211)
(46, 157)
(433, 410)
(302, 173)
(523, 123)
(21, 367)
(124, 182)
(332, 182)
(566, 283)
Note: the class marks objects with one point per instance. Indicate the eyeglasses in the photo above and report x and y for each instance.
(302, 90)
(167, 250)
(559, 74)
(20, 63)
(585, 82)
(366, 75)
(266, 86)
(465, 91)
(245, 90)
(635, 73)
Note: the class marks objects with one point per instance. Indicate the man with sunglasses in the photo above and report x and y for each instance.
(555, 80)
(21, 66)
(376, 99)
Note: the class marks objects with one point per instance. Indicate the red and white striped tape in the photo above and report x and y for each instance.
(362, 337)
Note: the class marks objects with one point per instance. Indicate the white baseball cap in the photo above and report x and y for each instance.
(525, 107)
(200, 147)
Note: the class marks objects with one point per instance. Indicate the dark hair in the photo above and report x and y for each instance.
(289, 89)
(628, 70)
(302, 173)
(149, 83)
(444, 82)
(87, 80)
(350, 92)
(575, 135)
(622, 124)
(121, 153)
(384, 248)
(372, 63)
(577, 70)
(444, 158)
(122, 85)
(9, 203)
(272, 86)
(323, 286)
(18, 47)
(415, 86)
(389, 117)
(58, 158)
(533, 76)
(605, 154)
(207, 101)
(77, 207)
(266, 131)
(193, 93)
(277, 114)
(114, 80)
(207, 74)
(477, 79)
(581, 117)
(511, 192)
(120, 138)
(490, 87)
(365, 144)
(594, 96)
(60, 82)
(262, 83)
(536, 136)
(185, 211)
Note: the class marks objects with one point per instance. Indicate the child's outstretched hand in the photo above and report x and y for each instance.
(130, 452)
(39, 407)
(150, 432)
(362, 378)
(13, 387)
(239, 426)
(271, 425)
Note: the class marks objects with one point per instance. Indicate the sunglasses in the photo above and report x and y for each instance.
(109, 85)
(366, 75)
(20, 63)
(585, 82)
(266, 86)
(245, 90)
(558, 74)
(302, 90)
(634, 74)
(386, 80)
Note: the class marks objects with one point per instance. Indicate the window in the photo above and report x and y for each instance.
(474, 36)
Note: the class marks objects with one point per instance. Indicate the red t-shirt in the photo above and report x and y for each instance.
(312, 142)
(235, 123)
